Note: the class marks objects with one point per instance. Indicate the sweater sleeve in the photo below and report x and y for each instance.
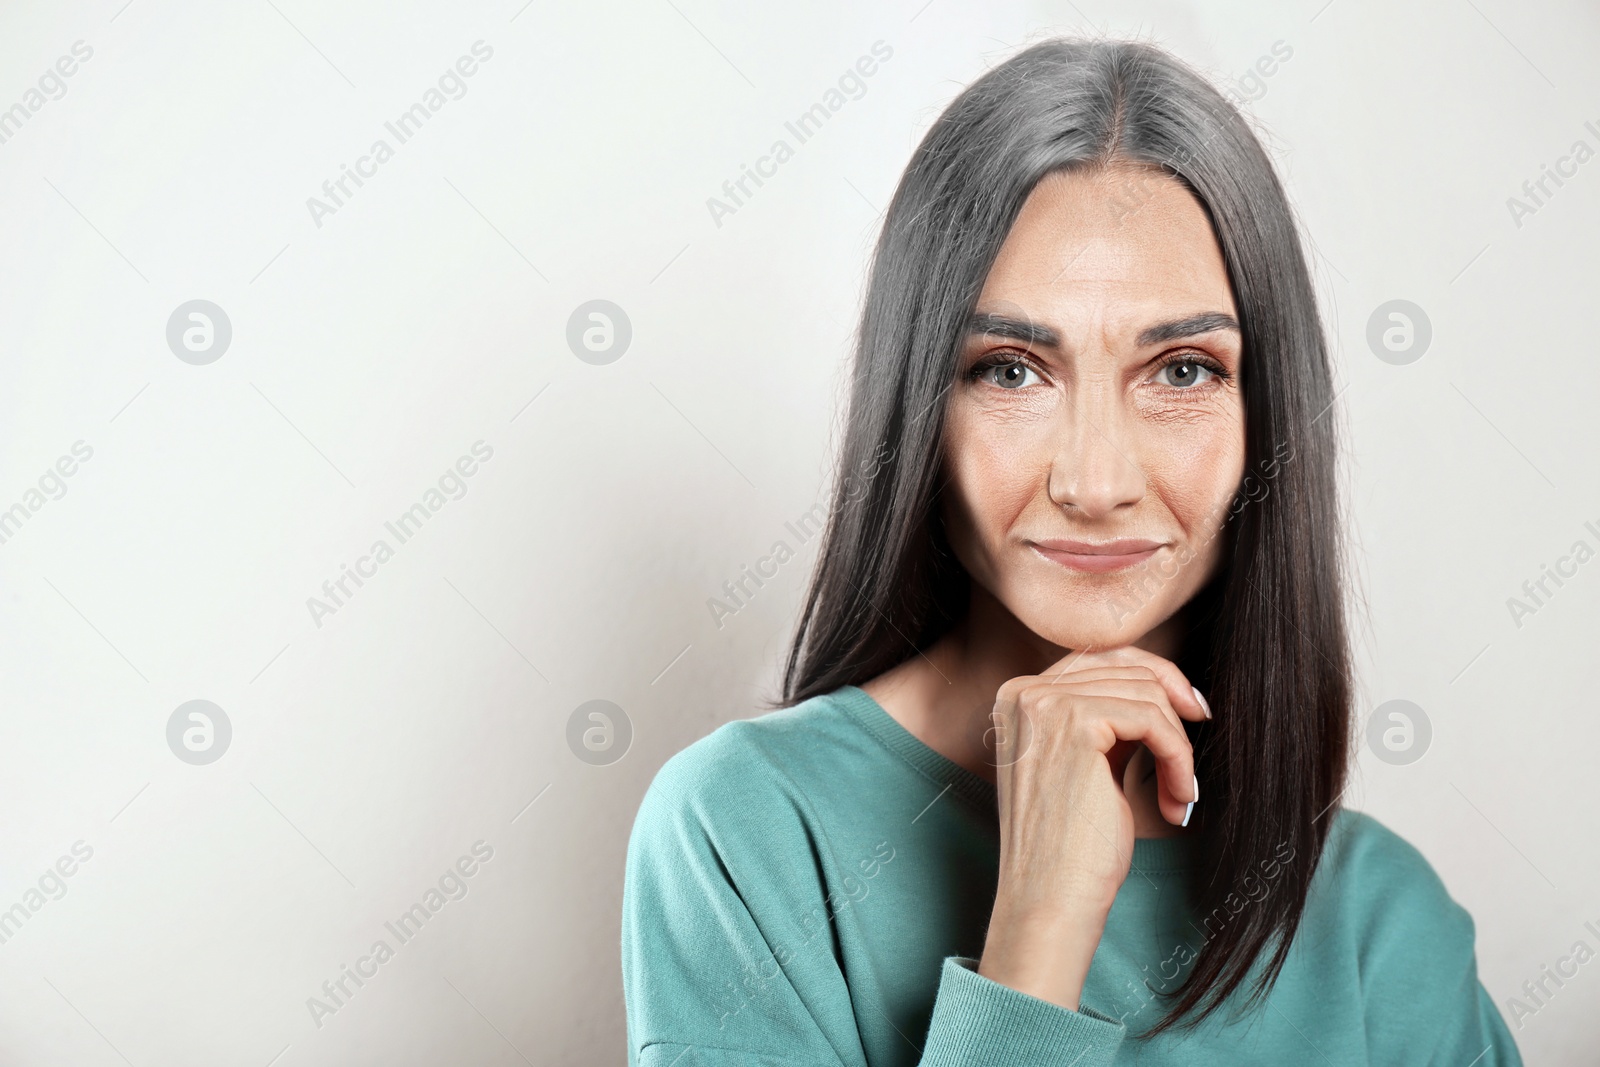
(710, 962)
(1424, 1001)
(977, 1020)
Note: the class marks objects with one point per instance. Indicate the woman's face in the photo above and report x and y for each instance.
(1097, 401)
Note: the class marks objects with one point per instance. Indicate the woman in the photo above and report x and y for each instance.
(1070, 697)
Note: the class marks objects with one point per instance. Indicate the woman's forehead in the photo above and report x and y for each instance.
(1083, 247)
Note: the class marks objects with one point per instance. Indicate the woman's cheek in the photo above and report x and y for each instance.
(1197, 498)
(994, 453)
(991, 484)
(1201, 470)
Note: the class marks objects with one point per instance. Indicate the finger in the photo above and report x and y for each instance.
(1177, 783)
(1186, 699)
(1137, 682)
(1144, 721)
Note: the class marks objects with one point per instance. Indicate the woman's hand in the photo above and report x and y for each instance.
(1064, 738)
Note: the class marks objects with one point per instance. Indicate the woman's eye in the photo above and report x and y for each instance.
(1184, 373)
(1009, 375)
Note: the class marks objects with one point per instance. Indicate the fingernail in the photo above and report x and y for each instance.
(1202, 699)
(1188, 811)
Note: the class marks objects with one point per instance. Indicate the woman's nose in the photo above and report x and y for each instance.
(1094, 467)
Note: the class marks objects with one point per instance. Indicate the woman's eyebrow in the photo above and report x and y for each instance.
(1189, 327)
(1016, 329)
(1030, 333)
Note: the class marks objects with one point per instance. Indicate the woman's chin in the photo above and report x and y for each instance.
(1073, 634)
(1081, 619)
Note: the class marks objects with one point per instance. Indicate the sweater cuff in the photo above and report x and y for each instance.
(978, 1021)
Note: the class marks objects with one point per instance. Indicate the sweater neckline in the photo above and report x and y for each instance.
(1151, 855)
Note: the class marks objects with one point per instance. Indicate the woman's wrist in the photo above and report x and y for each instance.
(1043, 954)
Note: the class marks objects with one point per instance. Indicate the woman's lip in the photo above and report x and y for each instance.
(1099, 560)
(1125, 546)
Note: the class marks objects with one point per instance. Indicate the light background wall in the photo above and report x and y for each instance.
(373, 347)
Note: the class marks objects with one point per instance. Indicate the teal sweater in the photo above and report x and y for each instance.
(811, 887)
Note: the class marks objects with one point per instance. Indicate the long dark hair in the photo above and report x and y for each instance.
(1267, 637)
